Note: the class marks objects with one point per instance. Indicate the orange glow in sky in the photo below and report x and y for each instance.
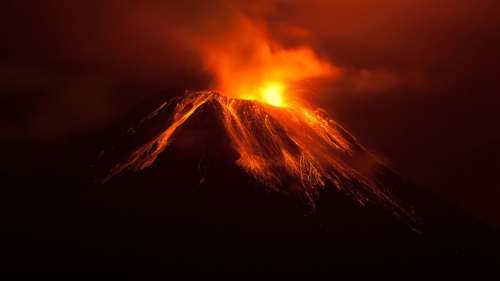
(247, 64)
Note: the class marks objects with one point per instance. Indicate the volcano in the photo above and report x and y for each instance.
(192, 205)
(192, 194)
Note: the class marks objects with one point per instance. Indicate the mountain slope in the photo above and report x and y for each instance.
(196, 210)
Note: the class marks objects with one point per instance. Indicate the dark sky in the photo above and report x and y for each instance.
(419, 83)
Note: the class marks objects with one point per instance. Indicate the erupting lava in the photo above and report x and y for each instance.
(281, 142)
(273, 94)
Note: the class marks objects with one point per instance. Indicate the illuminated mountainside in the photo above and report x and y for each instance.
(292, 149)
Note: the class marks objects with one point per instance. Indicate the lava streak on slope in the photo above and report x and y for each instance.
(292, 149)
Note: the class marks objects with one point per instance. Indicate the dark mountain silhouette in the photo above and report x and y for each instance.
(194, 210)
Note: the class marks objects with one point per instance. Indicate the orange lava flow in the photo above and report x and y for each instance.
(292, 149)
